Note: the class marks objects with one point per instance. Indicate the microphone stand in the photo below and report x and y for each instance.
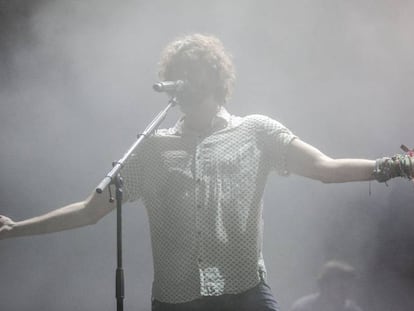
(114, 178)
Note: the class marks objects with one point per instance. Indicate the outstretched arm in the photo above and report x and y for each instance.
(74, 215)
(305, 160)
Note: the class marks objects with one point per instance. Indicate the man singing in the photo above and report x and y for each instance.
(202, 184)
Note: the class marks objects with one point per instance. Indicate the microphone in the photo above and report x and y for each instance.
(170, 86)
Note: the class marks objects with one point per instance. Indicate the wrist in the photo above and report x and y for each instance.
(396, 166)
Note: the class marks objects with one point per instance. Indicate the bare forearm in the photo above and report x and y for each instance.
(306, 160)
(68, 217)
(344, 170)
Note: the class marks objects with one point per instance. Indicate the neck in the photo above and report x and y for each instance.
(200, 117)
(199, 122)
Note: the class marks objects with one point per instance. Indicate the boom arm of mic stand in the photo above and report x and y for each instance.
(155, 123)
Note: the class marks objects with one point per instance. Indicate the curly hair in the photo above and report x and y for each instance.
(202, 61)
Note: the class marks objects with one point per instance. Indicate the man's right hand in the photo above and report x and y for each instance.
(6, 225)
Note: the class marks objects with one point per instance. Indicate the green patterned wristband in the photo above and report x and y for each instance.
(396, 166)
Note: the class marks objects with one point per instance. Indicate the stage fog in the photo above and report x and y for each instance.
(75, 90)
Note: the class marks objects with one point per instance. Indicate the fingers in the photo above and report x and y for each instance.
(5, 228)
(6, 225)
(5, 221)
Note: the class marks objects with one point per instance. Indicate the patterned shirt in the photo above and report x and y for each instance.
(203, 196)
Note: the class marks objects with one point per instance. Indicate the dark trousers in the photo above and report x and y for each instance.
(258, 298)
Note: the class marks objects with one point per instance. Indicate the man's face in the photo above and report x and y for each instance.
(191, 96)
(200, 83)
(202, 108)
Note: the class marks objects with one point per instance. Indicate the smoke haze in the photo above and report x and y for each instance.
(75, 90)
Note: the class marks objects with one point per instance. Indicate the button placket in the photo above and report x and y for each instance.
(198, 202)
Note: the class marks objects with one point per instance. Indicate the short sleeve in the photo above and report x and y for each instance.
(134, 171)
(276, 139)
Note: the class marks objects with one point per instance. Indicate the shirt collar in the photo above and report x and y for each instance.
(219, 122)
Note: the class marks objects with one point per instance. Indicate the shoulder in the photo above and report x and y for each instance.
(261, 122)
(165, 132)
(306, 303)
(257, 119)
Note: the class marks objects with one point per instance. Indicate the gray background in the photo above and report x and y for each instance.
(75, 88)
